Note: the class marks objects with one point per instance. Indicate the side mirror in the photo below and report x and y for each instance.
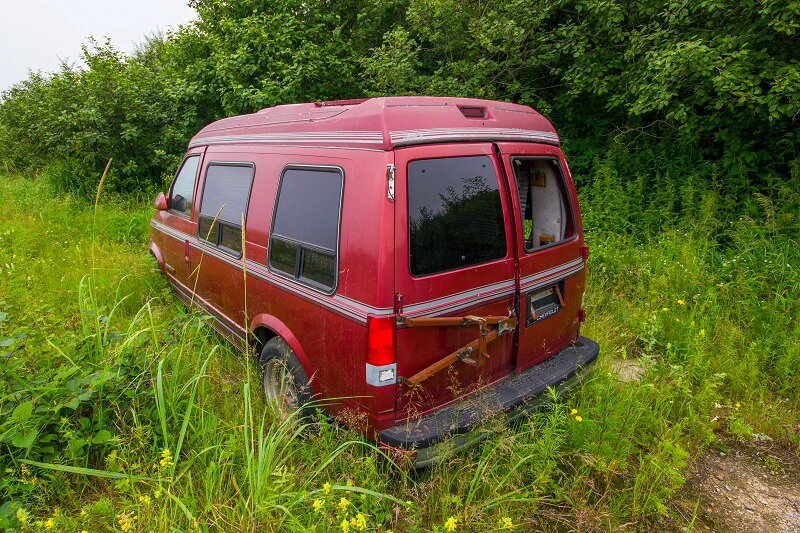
(161, 202)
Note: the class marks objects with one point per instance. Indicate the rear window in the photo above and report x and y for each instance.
(305, 228)
(455, 216)
(224, 205)
(544, 204)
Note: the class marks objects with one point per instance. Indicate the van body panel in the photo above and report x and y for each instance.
(361, 287)
(380, 124)
(382, 148)
(173, 246)
(559, 264)
(155, 236)
(485, 289)
(275, 325)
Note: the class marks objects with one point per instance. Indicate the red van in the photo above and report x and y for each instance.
(419, 259)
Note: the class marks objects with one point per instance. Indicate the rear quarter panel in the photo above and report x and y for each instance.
(326, 331)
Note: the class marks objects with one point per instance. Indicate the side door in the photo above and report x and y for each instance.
(454, 257)
(217, 261)
(179, 222)
(552, 277)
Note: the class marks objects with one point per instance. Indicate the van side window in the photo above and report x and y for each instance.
(545, 209)
(182, 190)
(455, 216)
(224, 204)
(305, 227)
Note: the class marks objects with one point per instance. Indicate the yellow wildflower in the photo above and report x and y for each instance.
(326, 488)
(702, 332)
(360, 522)
(125, 521)
(665, 308)
(738, 405)
(343, 503)
(23, 516)
(84, 531)
(506, 522)
(578, 419)
(84, 512)
(318, 504)
(574, 412)
(195, 522)
(450, 524)
(166, 458)
(145, 499)
(681, 302)
(49, 523)
(345, 525)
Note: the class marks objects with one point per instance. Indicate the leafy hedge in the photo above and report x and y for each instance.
(704, 92)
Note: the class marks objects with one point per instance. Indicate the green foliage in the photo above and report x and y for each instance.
(680, 122)
(392, 68)
(74, 120)
(121, 408)
(702, 95)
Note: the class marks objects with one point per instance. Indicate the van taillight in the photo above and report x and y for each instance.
(380, 340)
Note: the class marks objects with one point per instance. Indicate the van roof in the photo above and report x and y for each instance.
(381, 123)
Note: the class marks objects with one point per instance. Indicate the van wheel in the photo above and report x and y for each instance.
(285, 383)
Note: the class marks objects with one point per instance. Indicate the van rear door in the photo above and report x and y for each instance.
(550, 244)
(454, 257)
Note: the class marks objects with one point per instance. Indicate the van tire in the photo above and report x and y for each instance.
(284, 381)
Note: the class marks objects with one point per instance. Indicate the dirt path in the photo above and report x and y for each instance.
(746, 488)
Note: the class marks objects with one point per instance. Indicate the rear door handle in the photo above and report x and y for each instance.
(186, 253)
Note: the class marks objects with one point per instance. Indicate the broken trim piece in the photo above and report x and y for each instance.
(504, 325)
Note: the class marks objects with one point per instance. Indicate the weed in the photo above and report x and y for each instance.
(120, 409)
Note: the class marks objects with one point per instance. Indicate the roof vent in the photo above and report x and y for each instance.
(330, 103)
(473, 111)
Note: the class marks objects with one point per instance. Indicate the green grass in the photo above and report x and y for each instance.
(122, 411)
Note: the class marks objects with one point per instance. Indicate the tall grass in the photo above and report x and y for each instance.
(122, 410)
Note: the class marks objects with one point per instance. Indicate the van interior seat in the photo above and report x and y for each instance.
(541, 202)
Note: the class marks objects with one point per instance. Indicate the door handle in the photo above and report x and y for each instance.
(186, 254)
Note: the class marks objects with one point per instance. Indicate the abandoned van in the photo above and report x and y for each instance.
(418, 259)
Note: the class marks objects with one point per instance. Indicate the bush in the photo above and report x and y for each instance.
(659, 117)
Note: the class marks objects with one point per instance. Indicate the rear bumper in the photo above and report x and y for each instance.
(515, 396)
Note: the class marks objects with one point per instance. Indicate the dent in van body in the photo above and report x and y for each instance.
(155, 252)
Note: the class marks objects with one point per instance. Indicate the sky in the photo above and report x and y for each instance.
(38, 34)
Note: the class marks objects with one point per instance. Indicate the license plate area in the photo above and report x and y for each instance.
(544, 303)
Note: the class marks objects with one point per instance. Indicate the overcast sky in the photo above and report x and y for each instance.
(37, 34)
